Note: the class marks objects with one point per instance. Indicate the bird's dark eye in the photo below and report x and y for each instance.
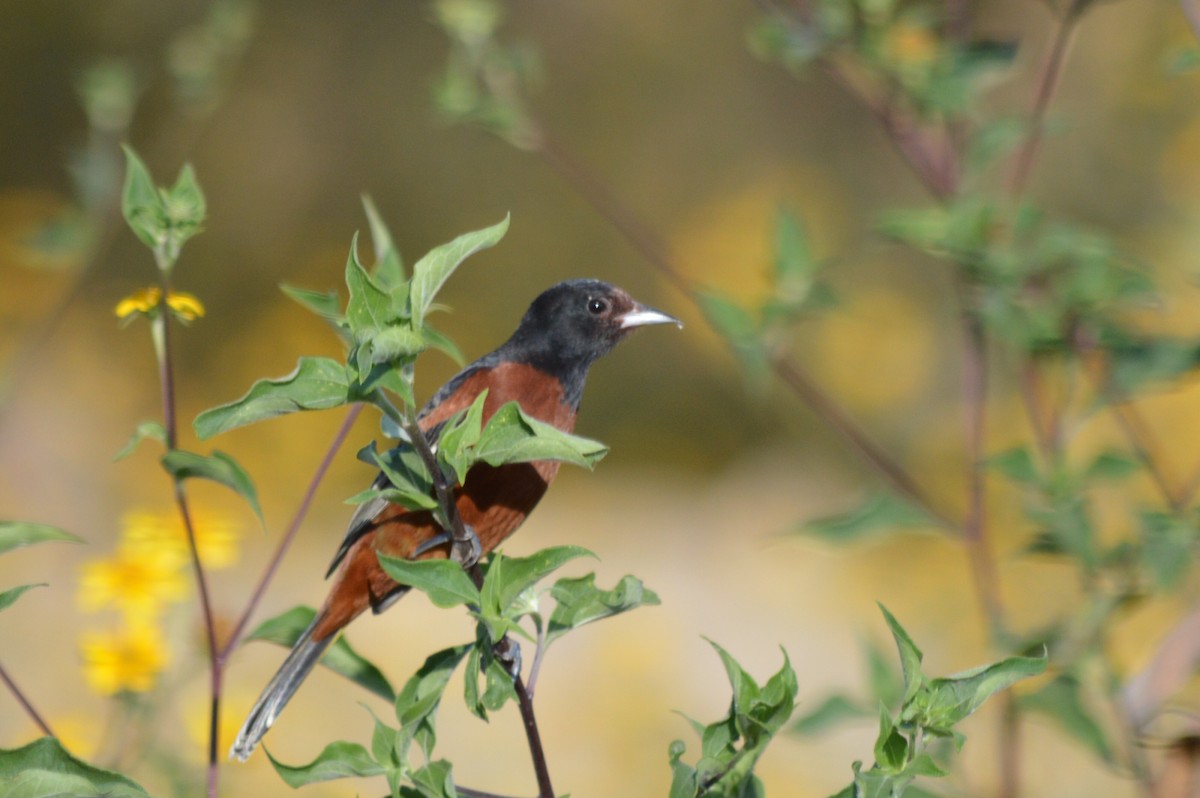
(597, 306)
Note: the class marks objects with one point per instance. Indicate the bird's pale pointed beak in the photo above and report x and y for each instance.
(642, 315)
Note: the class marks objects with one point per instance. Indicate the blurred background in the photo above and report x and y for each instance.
(290, 111)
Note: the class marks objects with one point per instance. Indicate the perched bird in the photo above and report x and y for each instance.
(543, 366)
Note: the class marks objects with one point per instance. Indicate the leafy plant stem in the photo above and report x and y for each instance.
(1047, 82)
(1010, 746)
(26, 705)
(654, 250)
(289, 535)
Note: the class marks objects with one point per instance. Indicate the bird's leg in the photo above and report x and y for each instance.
(465, 548)
(508, 652)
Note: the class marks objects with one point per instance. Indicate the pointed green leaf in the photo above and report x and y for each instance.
(431, 271)
(317, 383)
(369, 309)
(147, 429)
(218, 467)
(184, 206)
(141, 204)
(410, 482)
(891, 747)
(511, 436)
(739, 328)
(338, 760)
(910, 656)
(946, 701)
(460, 437)
(1111, 465)
(326, 304)
(745, 689)
(435, 780)
(881, 513)
(389, 268)
(44, 769)
(417, 702)
(444, 581)
(285, 629)
(14, 534)
(9, 597)
(508, 577)
(579, 601)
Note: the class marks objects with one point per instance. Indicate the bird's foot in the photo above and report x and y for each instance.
(508, 652)
(467, 550)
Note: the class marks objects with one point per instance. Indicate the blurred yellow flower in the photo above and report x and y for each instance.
(145, 301)
(216, 537)
(124, 661)
(908, 44)
(136, 581)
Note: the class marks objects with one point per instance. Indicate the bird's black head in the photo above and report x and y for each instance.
(573, 323)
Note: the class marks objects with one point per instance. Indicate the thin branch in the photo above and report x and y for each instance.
(1047, 82)
(651, 247)
(538, 652)
(529, 720)
(37, 719)
(289, 535)
(975, 534)
(1137, 433)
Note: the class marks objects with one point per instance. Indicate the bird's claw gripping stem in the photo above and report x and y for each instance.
(508, 652)
(466, 550)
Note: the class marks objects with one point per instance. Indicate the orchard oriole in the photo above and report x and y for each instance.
(543, 366)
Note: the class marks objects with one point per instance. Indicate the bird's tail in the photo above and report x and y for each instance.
(304, 655)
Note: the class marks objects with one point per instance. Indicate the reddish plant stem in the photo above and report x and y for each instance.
(37, 719)
(1047, 82)
(167, 381)
(289, 535)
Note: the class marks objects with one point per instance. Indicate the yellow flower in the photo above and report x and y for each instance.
(216, 538)
(145, 301)
(124, 661)
(908, 45)
(138, 582)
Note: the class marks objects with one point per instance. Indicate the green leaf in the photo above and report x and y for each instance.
(891, 747)
(946, 701)
(218, 467)
(1167, 542)
(417, 702)
(511, 436)
(460, 437)
(389, 268)
(444, 581)
(9, 597)
(1016, 464)
(1061, 700)
(285, 629)
(147, 429)
(338, 760)
(435, 780)
(880, 513)
(1111, 465)
(14, 534)
(739, 328)
(141, 204)
(833, 711)
(317, 383)
(370, 306)
(431, 271)
(578, 601)
(508, 577)
(910, 656)
(184, 206)
(411, 485)
(44, 769)
(326, 304)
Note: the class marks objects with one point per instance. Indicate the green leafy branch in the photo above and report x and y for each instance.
(507, 596)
